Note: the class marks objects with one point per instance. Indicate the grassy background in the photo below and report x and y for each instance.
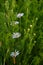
(30, 46)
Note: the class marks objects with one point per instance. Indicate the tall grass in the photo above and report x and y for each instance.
(29, 32)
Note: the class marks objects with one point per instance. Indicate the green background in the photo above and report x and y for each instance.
(29, 45)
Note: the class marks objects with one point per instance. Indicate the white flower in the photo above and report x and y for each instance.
(14, 54)
(19, 15)
(16, 35)
(14, 23)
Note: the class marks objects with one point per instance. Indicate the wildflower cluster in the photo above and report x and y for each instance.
(16, 35)
(21, 32)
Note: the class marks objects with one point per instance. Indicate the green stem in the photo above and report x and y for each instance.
(6, 56)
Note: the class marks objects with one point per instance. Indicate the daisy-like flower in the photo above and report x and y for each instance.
(14, 54)
(14, 23)
(16, 35)
(19, 15)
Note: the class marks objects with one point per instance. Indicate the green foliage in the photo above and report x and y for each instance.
(30, 44)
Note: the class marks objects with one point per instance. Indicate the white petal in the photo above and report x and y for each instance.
(19, 15)
(16, 35)
(16, 22)
(17, 53)
(12, 54)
